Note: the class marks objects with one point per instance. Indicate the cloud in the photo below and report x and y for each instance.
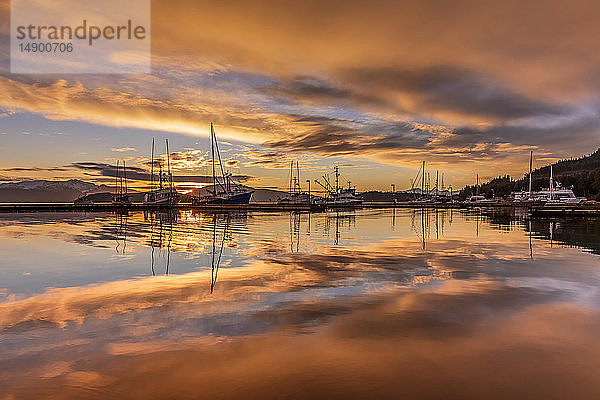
(369, 81)
(123, 149)
(35, 169)
(140, 174)
(447, 90)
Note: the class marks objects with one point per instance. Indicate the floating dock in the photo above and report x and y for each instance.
(535, 211)
(109, 207)
(565, 211)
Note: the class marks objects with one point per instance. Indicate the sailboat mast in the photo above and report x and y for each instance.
(160, 174)
(117, 179)
(298, 175)
(337, 179)
(551, 183)
(124, 177)
(423, 180)
(169, 164)
(530, 171)
(152, 167)
(212, 157)
(121, 180)
(291, 177)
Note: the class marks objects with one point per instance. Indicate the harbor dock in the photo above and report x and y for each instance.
(534, 211)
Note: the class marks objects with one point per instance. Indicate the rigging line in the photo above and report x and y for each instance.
(220, 161)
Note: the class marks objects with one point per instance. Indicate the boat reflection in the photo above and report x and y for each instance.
(583, 233)
(121, 232)
(425, 303)
(217, 250)
(161, 236)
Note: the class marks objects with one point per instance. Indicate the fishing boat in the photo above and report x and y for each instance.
(121, 198)
(337, 195)
(162, 192)
(224, 189)
(295, 193)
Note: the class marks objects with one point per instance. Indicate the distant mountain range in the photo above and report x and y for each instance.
(583, 174)
(44, 191)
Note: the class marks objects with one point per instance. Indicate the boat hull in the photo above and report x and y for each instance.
(238, 198)
(163, 197)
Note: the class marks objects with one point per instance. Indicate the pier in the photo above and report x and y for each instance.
(534, 211)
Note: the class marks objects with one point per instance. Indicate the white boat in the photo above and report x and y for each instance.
(165, 194)
(478, 199)
(555, 194)
(338, 196)
(295, 194)
(121, 198)
(344, 197)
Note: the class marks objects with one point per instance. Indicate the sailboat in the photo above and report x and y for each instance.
(295, 193)
(121, 198)
(527, 197)
(337, 195)
(165, 193)
(224, 189)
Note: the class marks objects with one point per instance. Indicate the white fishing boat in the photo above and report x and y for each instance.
(162, 192)
(121, 197)
(337, 195)
(295, 193)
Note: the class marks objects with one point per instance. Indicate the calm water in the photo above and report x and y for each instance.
(367, 304)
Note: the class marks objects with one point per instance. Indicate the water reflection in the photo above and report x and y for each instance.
(353, 304)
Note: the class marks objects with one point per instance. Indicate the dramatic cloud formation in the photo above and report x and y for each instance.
(388, 82)
(140, 174)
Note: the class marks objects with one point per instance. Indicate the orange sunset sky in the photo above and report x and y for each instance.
(470, 86)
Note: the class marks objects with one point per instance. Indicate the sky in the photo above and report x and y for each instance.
(375, 87)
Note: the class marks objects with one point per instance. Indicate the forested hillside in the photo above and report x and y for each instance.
(583, 174)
